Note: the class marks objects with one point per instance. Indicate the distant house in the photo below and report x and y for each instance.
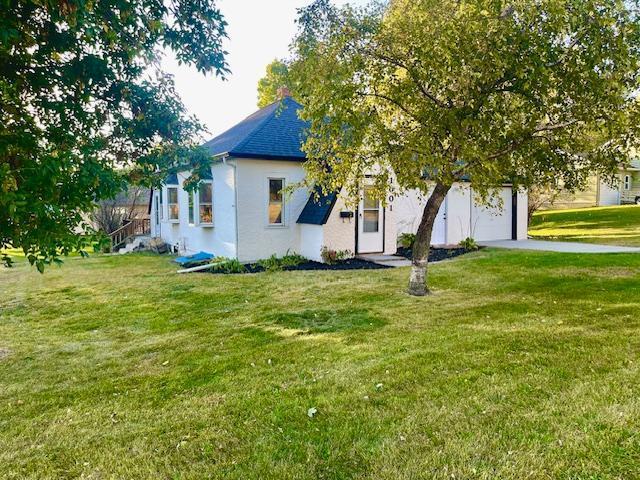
(240, 210)
(111, 214)
(629, 183)
(598, 193)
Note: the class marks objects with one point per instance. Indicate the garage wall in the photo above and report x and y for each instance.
(523, 215)
(493, 221)
(458, 223)
(406, 213)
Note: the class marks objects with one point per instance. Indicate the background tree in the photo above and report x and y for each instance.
(110, 214)
(434, 91)
(277, 75)
(81, 96)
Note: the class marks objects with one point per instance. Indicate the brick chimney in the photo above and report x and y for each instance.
(283, 92)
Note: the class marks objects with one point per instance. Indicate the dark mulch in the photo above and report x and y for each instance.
(435, 254)
(350, 264)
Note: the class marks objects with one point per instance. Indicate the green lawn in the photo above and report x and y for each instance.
(606, 225)
(522, 365)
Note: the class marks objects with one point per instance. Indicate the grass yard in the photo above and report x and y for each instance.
(522, 365)
(607, 225)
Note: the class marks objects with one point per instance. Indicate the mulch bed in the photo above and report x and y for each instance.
(350, 264)
(435, 254)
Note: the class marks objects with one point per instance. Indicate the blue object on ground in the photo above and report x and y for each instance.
(198, 257)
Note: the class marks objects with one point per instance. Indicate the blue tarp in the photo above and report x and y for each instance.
(198, 257)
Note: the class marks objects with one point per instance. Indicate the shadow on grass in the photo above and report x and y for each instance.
(327, 320)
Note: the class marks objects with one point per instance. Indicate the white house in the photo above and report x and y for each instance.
(241, 212)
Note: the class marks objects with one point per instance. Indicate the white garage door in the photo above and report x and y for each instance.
(492, 222)
(438, 235)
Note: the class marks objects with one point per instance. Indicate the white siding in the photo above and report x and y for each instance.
(218, 239)
(311, 241)
(462, 216)
(407, 213)
(493, 221)
(523, 215)
(340, 233)
(257, 239)
(459, 204)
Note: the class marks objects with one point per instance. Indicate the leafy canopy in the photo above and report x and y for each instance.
(81, 97)
(276, 76)
(484, 89)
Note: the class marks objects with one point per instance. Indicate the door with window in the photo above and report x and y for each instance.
(370, 223)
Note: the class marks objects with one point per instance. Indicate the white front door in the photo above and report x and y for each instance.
(370, 223)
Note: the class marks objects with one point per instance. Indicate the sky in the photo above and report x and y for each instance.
(259, 31)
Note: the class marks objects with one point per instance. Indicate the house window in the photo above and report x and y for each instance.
(172, 203)
(191, 208)
(371, 211)
(160, 207)
(276, 201)
(205, 202)
(157, 210)
(627, 182)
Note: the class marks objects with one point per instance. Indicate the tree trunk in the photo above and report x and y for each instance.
(418, 279)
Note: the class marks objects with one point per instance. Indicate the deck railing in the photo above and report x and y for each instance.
(135, 227)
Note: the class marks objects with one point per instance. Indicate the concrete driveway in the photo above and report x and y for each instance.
(566, 247)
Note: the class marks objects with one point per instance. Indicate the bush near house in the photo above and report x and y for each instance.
(115, 366)
(331, 257)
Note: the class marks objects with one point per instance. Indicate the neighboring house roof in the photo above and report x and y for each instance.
(317, 211)
(274, 132)
(133, 195)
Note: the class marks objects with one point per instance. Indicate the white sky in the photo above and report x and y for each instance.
(259, 31)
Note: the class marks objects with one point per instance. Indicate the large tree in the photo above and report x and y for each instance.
(81, 97)
(276, 76)
(431, 92)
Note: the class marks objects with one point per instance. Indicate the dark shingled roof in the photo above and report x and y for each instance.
(316, 212)
(172, 179)
(274, 133)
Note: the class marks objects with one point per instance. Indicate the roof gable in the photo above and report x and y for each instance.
(273, 132)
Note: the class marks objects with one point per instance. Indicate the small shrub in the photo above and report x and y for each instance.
(292, 260)
(227, 265)
(271, 264)
(331, 257)
(275, 264)
(469, 244)
(406, 240)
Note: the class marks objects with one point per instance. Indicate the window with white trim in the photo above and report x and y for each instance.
(275, 207)
(173, 209)
(158, 207)
(192, 211)
(205, 203)
(627, 182)
(160, 204)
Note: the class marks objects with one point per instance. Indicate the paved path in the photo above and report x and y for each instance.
(566, 247)
(386, 260)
